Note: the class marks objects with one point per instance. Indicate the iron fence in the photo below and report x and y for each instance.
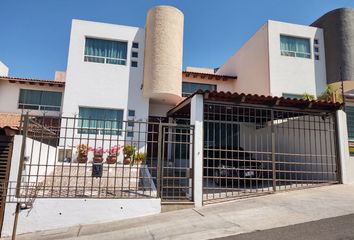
(252, 150)
(60, 158)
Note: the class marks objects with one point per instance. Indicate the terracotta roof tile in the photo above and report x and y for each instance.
(255, 99)
(10, 120)
(207, 75)
(32, 81)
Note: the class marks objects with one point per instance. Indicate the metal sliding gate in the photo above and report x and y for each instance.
(257, 150)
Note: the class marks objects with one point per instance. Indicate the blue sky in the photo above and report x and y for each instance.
(34, 36)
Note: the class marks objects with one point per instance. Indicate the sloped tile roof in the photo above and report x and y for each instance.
(10, 120)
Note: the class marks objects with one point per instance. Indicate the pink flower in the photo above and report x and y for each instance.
(98, 151)
(114, 150)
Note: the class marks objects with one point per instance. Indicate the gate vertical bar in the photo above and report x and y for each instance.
(22, 154)
(159, 162)
(273, 152)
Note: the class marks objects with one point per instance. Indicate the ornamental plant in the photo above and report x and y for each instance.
(114, 150)
(139, 157)
(129, 150)
(98, 151)
(82, 149)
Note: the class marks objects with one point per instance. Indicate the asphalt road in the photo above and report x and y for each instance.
(338, 228)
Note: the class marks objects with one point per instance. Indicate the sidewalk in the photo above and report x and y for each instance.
(220, 220)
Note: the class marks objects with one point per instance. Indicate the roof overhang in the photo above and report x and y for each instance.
(31, 81)
(183, 108)
(208, 76)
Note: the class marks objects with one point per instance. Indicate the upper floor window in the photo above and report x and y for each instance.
(100, 121)
(295, 47)
(39, 100)
(188, 88)
(135, 45)
(105, 51)
(293, 95)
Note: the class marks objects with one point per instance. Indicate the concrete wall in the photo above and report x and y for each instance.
(54, 213)
(4, 70)
(104, 85)
(9, 96)
(58, 213)
(295, 75)
(38, 155)
(250, 65)
(305, 139)
(261, 69)
(159, 109)
(338, 30)
(98, 85)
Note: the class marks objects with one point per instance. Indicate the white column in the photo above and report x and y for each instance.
(197, 120)
(346, 164)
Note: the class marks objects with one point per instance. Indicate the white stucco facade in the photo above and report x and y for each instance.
(10, 93)
(90, 84)
(53, 213)
(261, 69)
(4, 70)
(295, 75)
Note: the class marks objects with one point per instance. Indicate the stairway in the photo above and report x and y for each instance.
(5, 162)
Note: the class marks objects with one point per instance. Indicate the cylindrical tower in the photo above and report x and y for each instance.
(338, 32)
(163, 55)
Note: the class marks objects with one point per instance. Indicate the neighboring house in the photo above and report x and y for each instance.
(280, 59)
(21, 95)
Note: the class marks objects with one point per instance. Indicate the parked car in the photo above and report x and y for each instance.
(225, 164)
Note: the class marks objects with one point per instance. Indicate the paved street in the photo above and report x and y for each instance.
(228, 219)
(338, 228)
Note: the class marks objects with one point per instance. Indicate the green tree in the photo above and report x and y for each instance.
(329, 94)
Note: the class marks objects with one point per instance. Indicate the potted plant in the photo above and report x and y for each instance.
(113, 152)
(98, 155)
(139, 158)
(128, 151)
(82, 150)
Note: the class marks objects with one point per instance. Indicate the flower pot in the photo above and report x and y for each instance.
(82, 159)
(98, 159)
(111, 159)
(126, 160)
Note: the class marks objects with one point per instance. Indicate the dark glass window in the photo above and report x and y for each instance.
(188, 88)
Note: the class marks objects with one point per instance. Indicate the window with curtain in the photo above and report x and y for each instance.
(39, 100)
(105, 51)
(188, 88)
(295, 47)
(100, 121)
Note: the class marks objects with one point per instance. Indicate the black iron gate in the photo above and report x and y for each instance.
(251, 150)
(175, 163)
(70, 157)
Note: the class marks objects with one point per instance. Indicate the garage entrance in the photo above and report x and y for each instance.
(254, 145)
(257, 150)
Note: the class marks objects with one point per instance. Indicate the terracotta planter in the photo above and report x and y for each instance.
(82, 159)
(111, 159)
(98, 159)
(126, 160)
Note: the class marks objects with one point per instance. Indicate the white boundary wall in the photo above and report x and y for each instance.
(58, 213)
